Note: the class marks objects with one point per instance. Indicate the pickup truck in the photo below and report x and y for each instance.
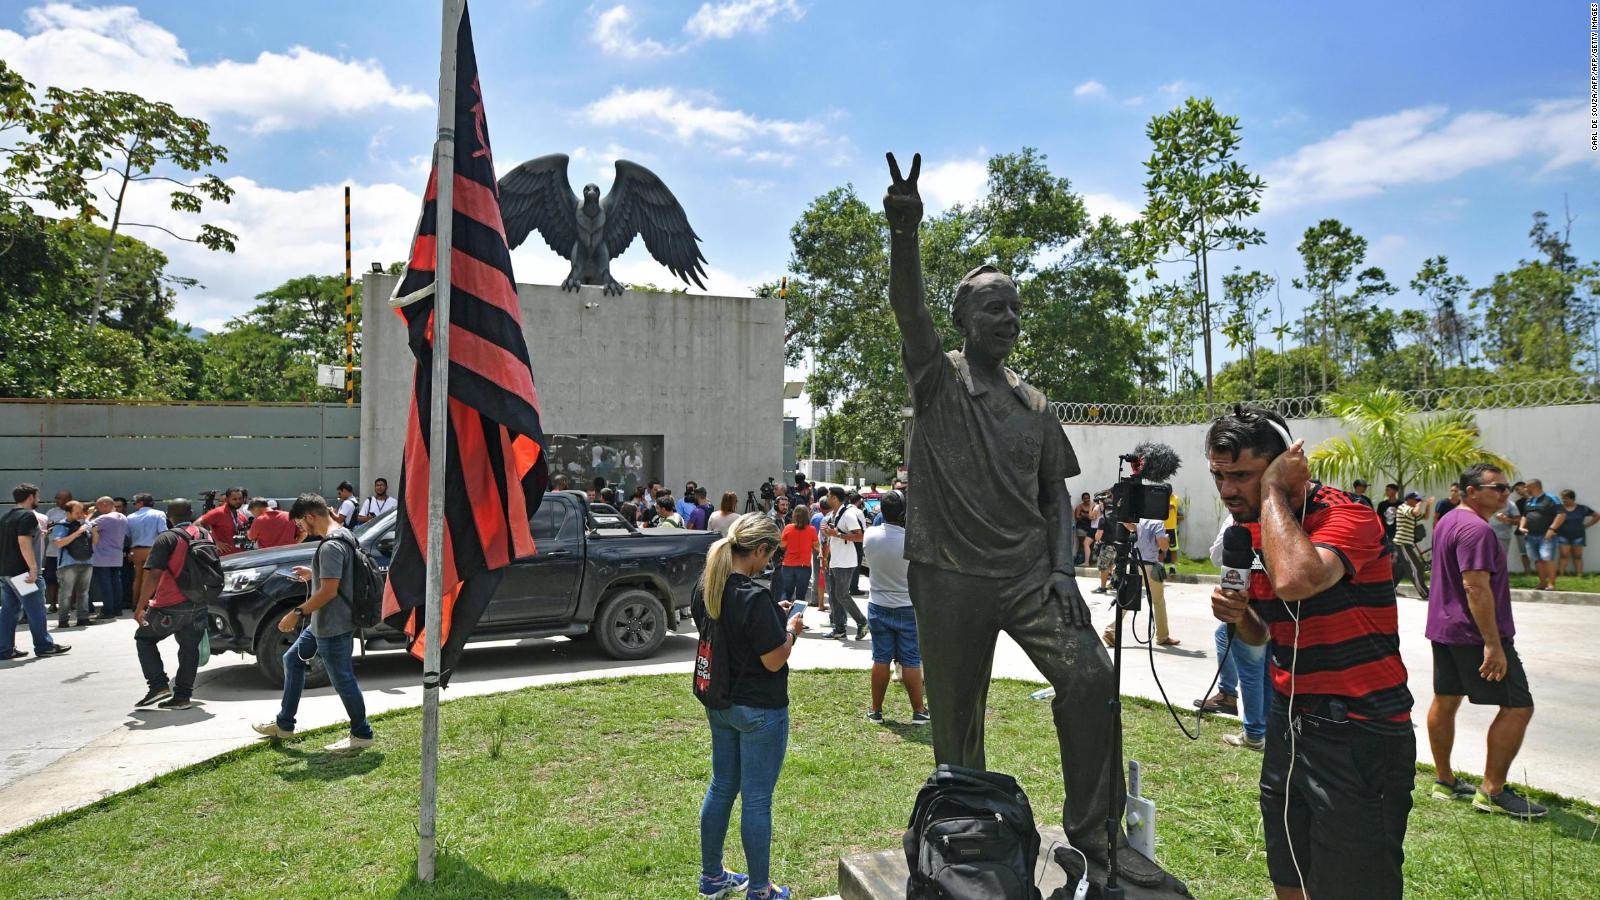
(594, 577)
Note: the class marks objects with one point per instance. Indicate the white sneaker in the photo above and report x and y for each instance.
(271, 730)
(349, 742)
(1244, 740)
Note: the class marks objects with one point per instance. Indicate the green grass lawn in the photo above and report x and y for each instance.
(595, 792)
(1589, 583)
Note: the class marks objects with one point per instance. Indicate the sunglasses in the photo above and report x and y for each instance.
(1500, 486)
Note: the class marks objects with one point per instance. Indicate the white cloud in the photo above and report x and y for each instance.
(1424, 145)
(116, 48)
(963, 181)
(1174, 88)
(614, 27)
(666, 111)
(282, 234)
(1103, 204)
(727, 19)
(613, 33)
(1090, 88)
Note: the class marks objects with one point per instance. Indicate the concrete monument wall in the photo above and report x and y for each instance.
(705, 373)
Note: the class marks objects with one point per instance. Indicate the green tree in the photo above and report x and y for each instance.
(1449, 324)
(1244, 294)
(1077, 340)
(271, 353)
(1329, 254)
(1197, 198)
(1542, 320)
(1389, 441)
(75, 138)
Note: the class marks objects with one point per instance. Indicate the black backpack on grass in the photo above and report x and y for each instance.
(971, 837)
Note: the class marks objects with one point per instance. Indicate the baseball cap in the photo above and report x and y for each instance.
(1359, 483)
(1413, 495)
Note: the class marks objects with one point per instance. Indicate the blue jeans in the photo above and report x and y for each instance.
(12, 607)
(747, 747)
(108, 584)
(793, 582)
(1244, 675)
(335, 652)
(894, 635)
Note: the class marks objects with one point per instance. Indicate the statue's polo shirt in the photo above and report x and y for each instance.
(981, 461)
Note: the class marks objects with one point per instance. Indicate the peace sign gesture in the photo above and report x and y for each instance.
(901, 203)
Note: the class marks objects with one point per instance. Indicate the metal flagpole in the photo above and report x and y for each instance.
(349, 313)
(438, 437)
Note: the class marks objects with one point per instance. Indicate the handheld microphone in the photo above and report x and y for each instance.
(1237, 559)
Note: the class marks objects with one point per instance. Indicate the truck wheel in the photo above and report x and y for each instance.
(631, 625)
(271, 644)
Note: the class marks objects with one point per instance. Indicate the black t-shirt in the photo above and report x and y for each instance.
(1572, 528)
(752, 624)
(1386, 513)
(1541, 513)
(16, 524)
(1442, 507)
(1362, 499)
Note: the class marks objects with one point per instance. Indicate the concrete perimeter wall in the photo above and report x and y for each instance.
(175, 449)
(705, 373)
(1552, 443)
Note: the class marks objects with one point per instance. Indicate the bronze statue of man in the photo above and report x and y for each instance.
(989, 534)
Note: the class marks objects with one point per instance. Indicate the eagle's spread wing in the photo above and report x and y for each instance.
(535, 196)
(639, 203)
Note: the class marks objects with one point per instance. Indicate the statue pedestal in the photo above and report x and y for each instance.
(882, 875)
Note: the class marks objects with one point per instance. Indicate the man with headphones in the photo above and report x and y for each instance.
(1340, 758)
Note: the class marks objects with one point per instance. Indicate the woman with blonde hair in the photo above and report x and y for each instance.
(750, 737)
(722, 520)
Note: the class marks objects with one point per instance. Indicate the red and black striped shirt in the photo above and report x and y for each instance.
(1349, 635)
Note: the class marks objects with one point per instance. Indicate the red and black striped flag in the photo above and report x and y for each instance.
(495, 470)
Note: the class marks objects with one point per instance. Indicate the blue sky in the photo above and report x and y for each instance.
(1427, 131)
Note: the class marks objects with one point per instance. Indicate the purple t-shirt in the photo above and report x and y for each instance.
(1464, 542)
(113, 527)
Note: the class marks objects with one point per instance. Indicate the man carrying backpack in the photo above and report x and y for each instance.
(183, 569)
(332, 624)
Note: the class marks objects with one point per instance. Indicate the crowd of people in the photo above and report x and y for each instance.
(92, 557)
(162, 567)
(1319, 609)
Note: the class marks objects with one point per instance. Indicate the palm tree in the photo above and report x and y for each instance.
(1389, 439)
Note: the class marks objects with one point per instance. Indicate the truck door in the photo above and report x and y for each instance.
(544, 587)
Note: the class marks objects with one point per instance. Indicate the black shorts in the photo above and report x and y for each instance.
(1455, 674)
(1347, 807)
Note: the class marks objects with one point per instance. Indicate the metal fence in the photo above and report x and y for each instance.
(177, 449)
(1551, 392)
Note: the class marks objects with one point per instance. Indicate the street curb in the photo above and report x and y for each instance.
(1569, 598)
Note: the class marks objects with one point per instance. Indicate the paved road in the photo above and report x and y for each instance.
(72, 735)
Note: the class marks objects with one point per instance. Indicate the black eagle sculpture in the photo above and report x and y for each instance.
(589, 231)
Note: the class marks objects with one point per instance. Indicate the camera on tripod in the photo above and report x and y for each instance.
(1133, 498)
(1141, 494)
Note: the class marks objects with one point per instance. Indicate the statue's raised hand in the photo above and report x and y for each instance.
(901, 203)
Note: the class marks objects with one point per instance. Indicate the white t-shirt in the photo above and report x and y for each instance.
(842, 553)
(54, 517)
(374, 507)
(347, 510)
